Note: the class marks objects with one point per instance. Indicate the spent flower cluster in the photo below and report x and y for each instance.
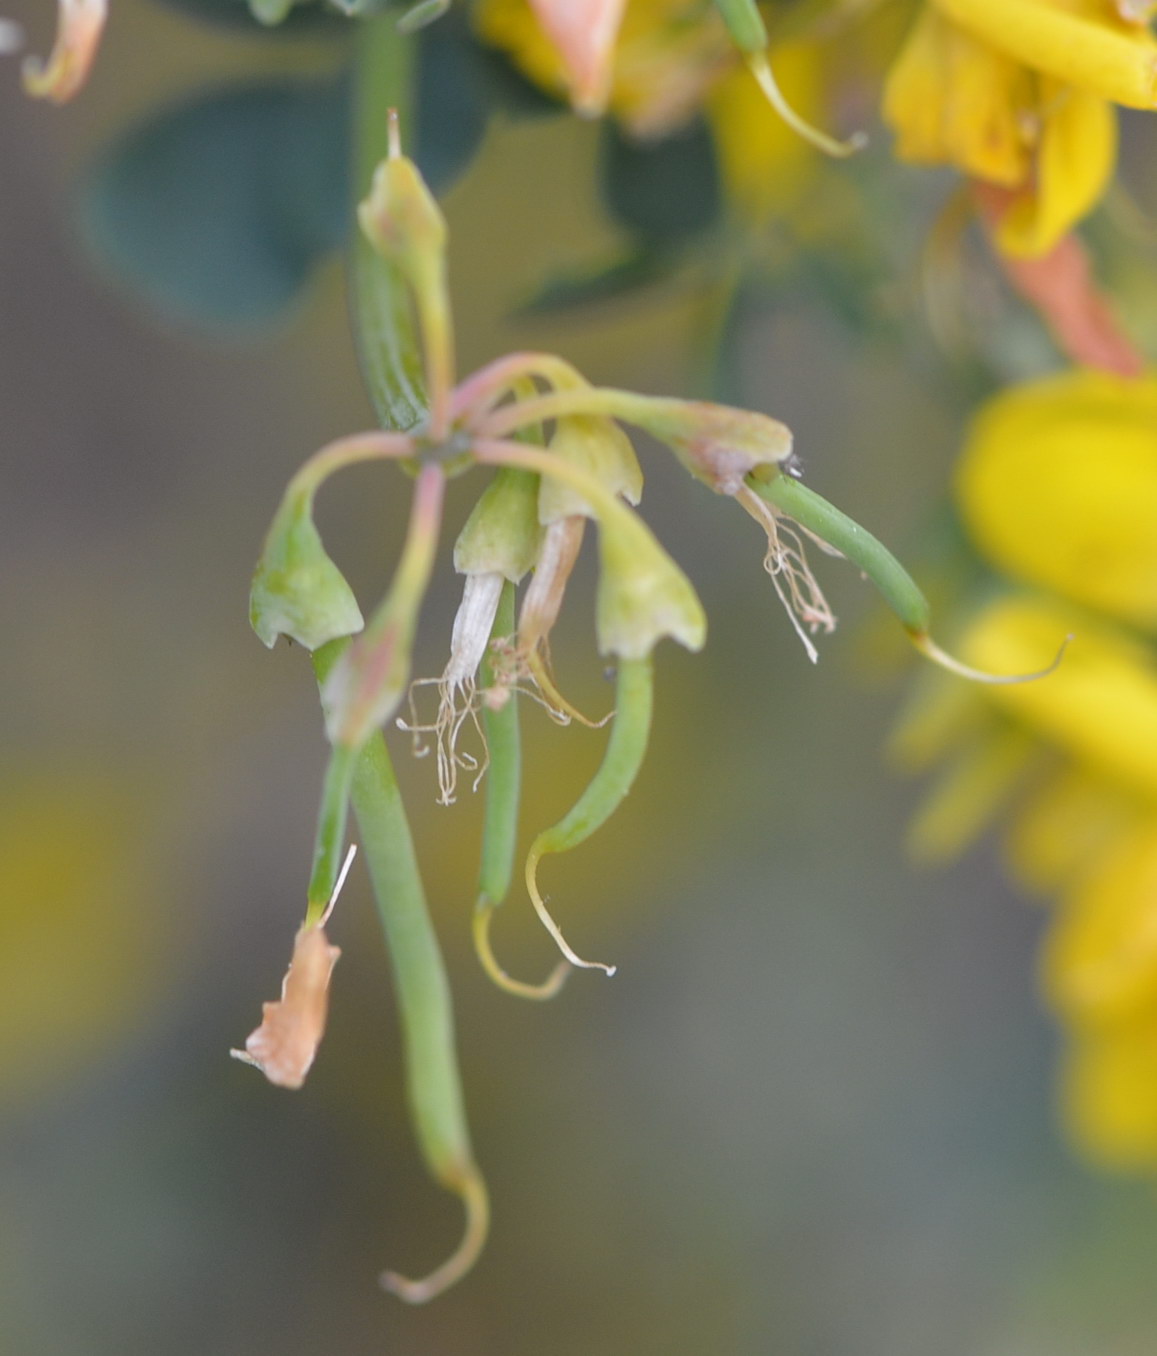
(561, 461)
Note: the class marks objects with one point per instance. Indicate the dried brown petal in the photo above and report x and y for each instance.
(284, 1045)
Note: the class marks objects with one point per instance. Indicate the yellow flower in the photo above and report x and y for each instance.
(1058, 486)
(1100, 965)
(1019, 94)
(1109, 1096)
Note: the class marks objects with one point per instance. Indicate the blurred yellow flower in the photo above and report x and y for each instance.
(1109, 1096)
(1019, 94)
(672, 59)
(82, 937)
(1058, 486)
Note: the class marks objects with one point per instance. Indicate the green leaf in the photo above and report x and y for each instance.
(666, 191)
(218, 209)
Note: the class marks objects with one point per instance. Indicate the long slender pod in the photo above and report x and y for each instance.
(626, 746)
(500, 826)
(897, 587)
(433, 1083)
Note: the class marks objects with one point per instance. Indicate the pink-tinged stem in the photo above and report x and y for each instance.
(508, 419)
(369, 681)
(342, 452)
(479, 392)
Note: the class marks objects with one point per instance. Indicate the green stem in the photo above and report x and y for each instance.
(433, 1083)
(388, 345)
(331, 827)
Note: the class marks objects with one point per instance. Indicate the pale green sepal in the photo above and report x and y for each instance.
(599, 447)
(502, 534)
(297, 590)
(642, 594)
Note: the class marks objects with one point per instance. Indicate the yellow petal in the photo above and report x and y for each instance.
(968, 794)
(1058, 485)
(1100, 963)
(952, 100)
(1099, 707)
(1086, 46)
(1061, 832)
(1109, 1095)
(1075, 159)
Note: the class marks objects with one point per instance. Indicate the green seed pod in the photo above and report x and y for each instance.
(744, 23)
(297, 590)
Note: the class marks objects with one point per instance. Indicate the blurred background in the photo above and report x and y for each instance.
(811, 1114)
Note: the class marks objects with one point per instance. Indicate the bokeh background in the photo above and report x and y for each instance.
(811, 1115)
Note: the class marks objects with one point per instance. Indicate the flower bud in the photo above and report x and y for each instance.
(297, 590)
(401, 219)
(642, 594)
(599, 447)
(502, 534)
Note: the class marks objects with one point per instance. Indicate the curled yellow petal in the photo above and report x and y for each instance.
(78, 34)
(1096, 52)
(951, 99)
(1075, 159)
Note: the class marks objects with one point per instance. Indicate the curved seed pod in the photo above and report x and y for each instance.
(610, 784)
(433, 1083)
(749, 33)
(896, 586)
(500, 826)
